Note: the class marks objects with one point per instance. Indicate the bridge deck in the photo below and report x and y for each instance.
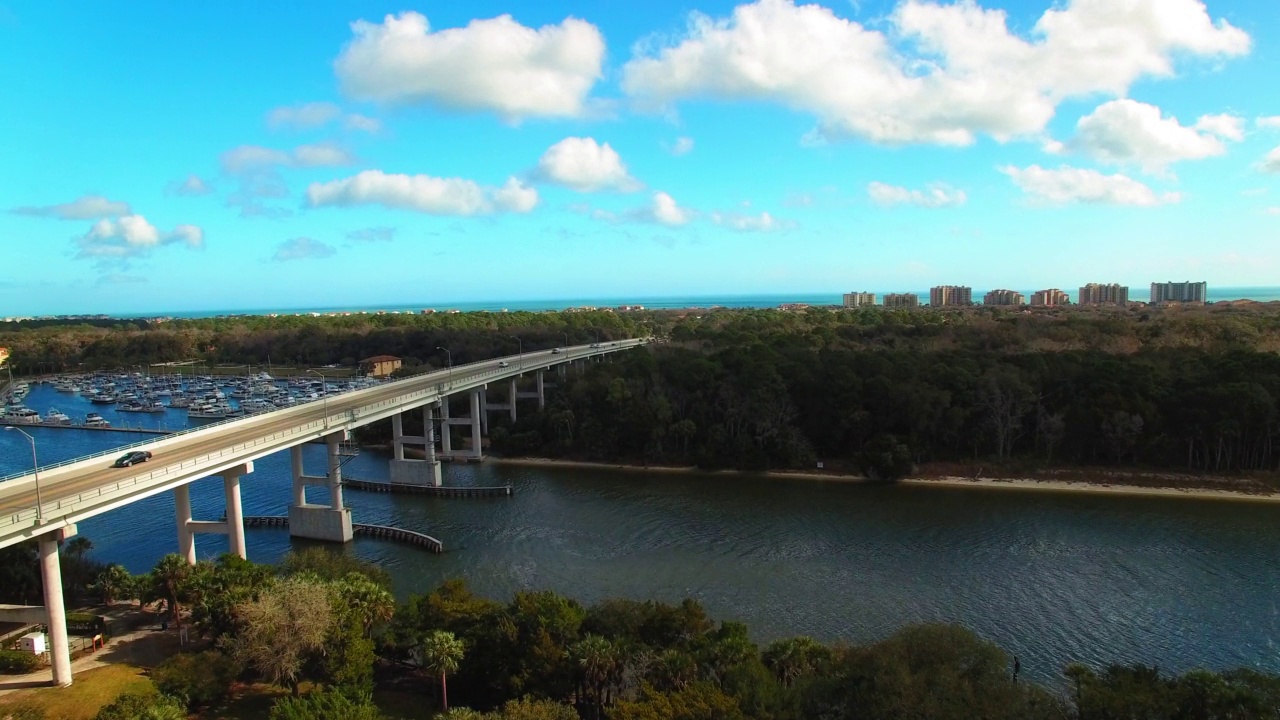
(73, 491)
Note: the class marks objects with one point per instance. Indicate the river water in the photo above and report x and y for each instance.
(1052, 577)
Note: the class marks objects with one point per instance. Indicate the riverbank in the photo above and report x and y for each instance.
(1149, 484)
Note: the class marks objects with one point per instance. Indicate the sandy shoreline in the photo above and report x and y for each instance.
(1023, 484)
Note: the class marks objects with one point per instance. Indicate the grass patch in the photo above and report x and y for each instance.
(91, 690)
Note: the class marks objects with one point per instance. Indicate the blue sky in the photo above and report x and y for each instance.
(180, 156)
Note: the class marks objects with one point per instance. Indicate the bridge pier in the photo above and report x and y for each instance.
(477, 449)
(56, 612)
(475, 420)
(446, 435)
(232, 526)
(330, 522)
(415, 472)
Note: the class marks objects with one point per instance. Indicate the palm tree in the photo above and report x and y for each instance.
(371, 602)
(597, 661)
(114, 583)
(440, 652)
(168, 583)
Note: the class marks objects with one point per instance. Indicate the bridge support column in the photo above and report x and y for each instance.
(542, 393)
(416, 472)
(397, 436)
(182, 516)
(477, 449)
(299, 476)
(321, 522)
(446, 435)
(511, 398)
(235, 511)
(484, 410)
(51, 579)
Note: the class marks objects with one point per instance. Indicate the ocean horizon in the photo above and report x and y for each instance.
(672, 302)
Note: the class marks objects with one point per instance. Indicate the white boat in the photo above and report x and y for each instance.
(142, 407)
(56, 417)
(20, 415)
(64, 386)
(179, 401)
(206, 412)
(96, 420)
(256, 405)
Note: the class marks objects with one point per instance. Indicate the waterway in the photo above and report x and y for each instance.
(1051, 577)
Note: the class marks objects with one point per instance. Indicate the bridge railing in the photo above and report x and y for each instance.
(17, 515)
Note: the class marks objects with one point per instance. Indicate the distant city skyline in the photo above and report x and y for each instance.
(363, 155)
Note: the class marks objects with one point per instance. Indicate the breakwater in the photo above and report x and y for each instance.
(442, 491)
(383, 532)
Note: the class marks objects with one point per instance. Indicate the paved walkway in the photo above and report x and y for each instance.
(145, 646)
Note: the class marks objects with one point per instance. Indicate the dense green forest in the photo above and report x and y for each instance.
(325, 627)
(1180, 388)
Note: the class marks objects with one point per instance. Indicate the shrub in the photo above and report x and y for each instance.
(13, 662)
(143, 707)
(196, 678)
(324, 706)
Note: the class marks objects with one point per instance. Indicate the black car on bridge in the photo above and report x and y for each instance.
(132, 458)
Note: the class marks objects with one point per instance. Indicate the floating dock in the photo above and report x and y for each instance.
(442, 491)
(408, 537)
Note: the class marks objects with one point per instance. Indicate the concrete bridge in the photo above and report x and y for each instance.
(72, 491)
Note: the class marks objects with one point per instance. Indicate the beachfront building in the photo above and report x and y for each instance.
(950, 295)
(1003, 297)
(1053, 297)
(1100, 294)
(859, 299)
(901, 300)
(1185, 292)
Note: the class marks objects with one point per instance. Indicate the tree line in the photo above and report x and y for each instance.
(325, 628)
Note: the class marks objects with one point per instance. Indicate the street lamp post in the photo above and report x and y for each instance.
(35, 469)
(324, 395)
(450, 375)
(513, 337)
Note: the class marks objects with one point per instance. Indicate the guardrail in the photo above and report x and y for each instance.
(17, 515)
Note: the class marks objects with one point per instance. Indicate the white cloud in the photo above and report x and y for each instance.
(255, 158)
(1273, 211)
(1225, 126)
(422, 193)
(1067, 185)
(936, 195)
(191, 186)
(682, 146)
(1129, 132)
(1271, 121)
(355, 121)
(940, 73)
(132, 236)
(318, 114)
(515, 196)
(1271, 163)
(302, 248)
(586, 166)
(496, 64)
(89, 207)
(373, 234)
(666, 211)
(301, 117)
(764, 222)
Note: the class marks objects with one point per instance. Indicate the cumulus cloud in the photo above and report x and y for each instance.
(423, 193)
(255, 158)
(356, 121)
(1130, 132)
(1078, 185)
(938, 73)
(191, 186)
(764, 222)
(662, 209)
(302, 248)
(89, 207)
(682, 146)
(373, 234)
(317, 114)
(133, 236)
(307, 115)
(936, 195)
(1270, 121)
(585, 165)
(1271, 163)
(495, 65)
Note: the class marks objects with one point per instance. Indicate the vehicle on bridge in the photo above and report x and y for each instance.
(132, 458)
(504, 364)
